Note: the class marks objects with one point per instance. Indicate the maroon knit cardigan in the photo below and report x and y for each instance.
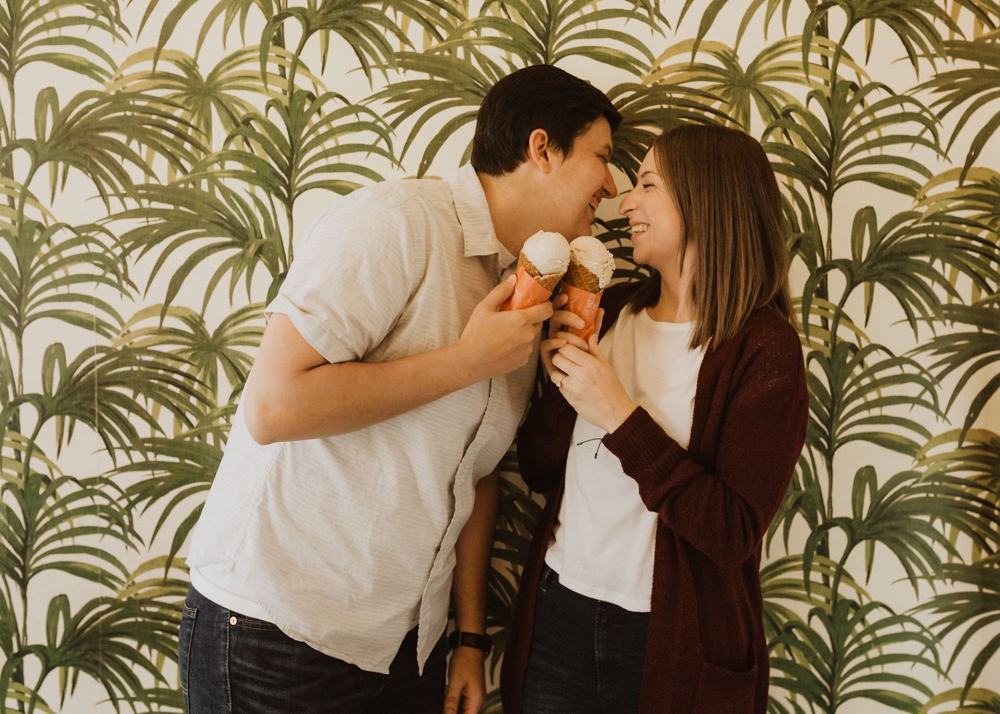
(706, 652)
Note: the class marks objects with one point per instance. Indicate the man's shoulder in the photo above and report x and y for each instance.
(399, 192)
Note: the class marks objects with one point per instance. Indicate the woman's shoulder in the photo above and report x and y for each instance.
(768, 330)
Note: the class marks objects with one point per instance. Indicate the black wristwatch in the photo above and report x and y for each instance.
(471, 639)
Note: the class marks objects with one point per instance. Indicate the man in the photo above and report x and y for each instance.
(359, 483)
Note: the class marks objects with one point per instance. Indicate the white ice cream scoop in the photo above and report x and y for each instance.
(548, 252)
(591, 253)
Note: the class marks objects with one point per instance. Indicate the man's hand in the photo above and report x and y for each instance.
(466, 690)
(496, 342)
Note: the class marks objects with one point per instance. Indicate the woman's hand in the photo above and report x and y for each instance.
(559, 336)
(589, 383)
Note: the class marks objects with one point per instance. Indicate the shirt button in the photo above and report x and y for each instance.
(232, 620)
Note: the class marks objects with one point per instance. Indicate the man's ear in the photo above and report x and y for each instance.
(540, 149)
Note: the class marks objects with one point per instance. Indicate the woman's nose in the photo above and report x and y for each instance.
(626, 205)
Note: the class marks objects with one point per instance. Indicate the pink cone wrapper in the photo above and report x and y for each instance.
(531, 288)
(585, 304)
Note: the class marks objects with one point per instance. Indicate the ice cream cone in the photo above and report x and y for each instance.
(582, 285)
(532, 286)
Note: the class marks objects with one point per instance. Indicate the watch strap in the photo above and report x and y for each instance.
(471, 639)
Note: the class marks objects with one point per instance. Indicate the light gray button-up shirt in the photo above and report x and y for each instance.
(347, 542)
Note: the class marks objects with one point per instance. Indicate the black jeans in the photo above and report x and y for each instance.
(586, 655)
(233, 663)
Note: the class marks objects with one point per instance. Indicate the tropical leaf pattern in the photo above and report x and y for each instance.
(159, 160)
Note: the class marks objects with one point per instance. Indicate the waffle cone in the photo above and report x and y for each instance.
(579, 276)
(548, 282)
(531, 287)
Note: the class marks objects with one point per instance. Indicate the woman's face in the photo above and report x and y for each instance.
(654, 220)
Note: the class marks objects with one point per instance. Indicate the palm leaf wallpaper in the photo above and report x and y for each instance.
(159, 160)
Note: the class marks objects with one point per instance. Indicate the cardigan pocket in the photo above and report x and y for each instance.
(725, 691)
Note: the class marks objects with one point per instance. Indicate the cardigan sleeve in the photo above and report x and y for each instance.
(758, 417)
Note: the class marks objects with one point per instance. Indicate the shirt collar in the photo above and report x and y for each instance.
(474, 216)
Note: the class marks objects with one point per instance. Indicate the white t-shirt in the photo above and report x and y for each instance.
(603, 541)
(347, 542)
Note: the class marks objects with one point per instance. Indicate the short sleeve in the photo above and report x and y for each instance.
(352, 278)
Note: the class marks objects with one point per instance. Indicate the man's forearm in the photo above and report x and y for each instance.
(472, 557)
(299, 406)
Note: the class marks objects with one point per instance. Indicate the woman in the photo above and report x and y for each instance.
(667, 448)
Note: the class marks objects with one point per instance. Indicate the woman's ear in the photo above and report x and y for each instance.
(539, 149)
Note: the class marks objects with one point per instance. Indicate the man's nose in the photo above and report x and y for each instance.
(610, 190)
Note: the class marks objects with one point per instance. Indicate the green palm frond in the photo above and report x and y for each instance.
(200, 223)
(178, 472)
(963, 701)
(976, 86)
(760, 85)
(230, 10)
(20, 203)
(20, 696)
(915, 23)
(855, 394)
(787, 593)
(974, 458)
(804, 498)
(974, 612)
(452, 90)
(985, 13)
(312, 142)
(969, 353)
(221, 95)
(712, 12)
(53, 272)
(824, 325)
(108, 390)
(909, 257)
(975, 453)
(537, 32)
(972, 194)
(69, 34)
(844, 655)
(101, 136)
(805, 235)
(107, 639)
(48, 525)
(647, 110)
(847, 140)
(367, 26)
(229, 347)
(908, 515)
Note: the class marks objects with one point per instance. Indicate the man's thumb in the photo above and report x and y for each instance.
(498, 295)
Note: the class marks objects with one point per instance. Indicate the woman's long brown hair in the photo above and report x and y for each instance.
(730, 205)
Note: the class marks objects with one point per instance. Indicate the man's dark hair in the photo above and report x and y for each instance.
(536, 97)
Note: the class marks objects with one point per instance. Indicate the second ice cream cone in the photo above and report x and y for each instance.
(590, 268)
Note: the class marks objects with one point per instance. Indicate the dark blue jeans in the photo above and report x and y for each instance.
(233, 663)
(586, 655)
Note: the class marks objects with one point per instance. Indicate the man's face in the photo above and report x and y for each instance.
(580, 179)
